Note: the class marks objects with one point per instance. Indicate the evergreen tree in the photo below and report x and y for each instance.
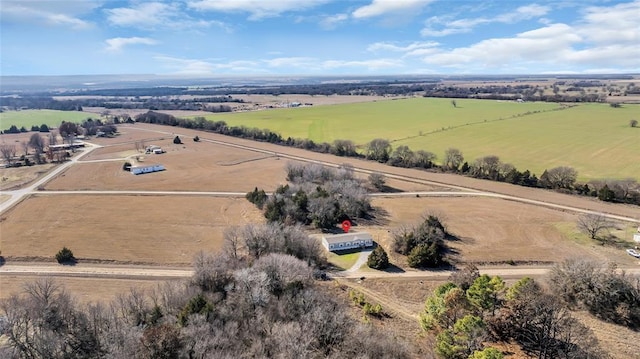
(378, 259)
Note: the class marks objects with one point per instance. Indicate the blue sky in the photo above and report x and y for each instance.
(318, 37)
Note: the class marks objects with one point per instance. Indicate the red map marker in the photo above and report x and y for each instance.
(346, 225)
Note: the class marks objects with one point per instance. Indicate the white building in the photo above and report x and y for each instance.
(337, 242)
(146, 169)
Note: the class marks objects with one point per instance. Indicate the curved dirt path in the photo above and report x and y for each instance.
(362, 259)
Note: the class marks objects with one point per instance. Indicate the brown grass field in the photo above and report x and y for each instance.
(134, 229)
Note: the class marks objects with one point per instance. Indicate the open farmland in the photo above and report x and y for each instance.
(391, 119)
(135, 229)
(494, 230)
(593, 138)
(51, 118)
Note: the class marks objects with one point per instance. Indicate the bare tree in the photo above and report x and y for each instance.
(452, 159)
(633, 123)
(593, 224)
(53, 138)
(559, 177)
(378, 150)
(8, 153)
(377, 180)
(37, 143)
(24, 145)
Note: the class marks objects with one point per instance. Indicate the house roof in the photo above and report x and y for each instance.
(347, 237)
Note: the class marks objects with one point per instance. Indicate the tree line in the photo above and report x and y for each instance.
(562, 178)
(209, 104)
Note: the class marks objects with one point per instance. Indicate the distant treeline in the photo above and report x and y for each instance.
(164, 98)
(563, 179)
(156, 104)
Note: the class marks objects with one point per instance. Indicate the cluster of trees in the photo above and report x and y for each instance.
(472, 310)
(267, 307)
(316, 195)
(423, 244)
(89, 127)
(34, 128)
(607, 293)
(37, 143)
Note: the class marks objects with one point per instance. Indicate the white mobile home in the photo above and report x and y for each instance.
(337, 242)
(146, 169)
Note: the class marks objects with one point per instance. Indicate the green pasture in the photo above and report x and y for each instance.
(390, 119)
(595, 139)
(28, 118)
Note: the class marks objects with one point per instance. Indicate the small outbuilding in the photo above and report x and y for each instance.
(137, 170)
(338, 242)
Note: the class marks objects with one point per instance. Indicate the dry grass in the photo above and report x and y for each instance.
(147, 229)
(16, 177)
(86, 290)
(620, 342)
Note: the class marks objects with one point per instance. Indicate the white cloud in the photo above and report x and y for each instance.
(150, 15)
(612, 25)
(413, 49)
(257, 9)
(117, 43)
(373, 64)
(57, 13)
(192, 67)
(604, 39)
(541, 45)
(143, 15)
(383, 7)
(303, 62)
(433, 25)
(330, 22)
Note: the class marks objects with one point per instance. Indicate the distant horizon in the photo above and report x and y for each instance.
(243, 38)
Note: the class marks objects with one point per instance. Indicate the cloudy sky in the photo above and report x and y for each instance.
(318, 37)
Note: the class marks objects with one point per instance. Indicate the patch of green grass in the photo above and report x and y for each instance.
(343, 261)
(570, 231)
(595, 139)
(51, 118)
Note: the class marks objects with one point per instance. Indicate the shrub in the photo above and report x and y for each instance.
(126, 166)
(177, 140)
(378, 259)
(65, 256)
(196, 139)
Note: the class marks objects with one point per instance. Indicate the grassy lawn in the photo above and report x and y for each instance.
(344, 261)
(28, 118)
(595, 139)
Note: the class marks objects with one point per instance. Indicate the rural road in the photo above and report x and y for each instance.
(166, 272)
(19, 194)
